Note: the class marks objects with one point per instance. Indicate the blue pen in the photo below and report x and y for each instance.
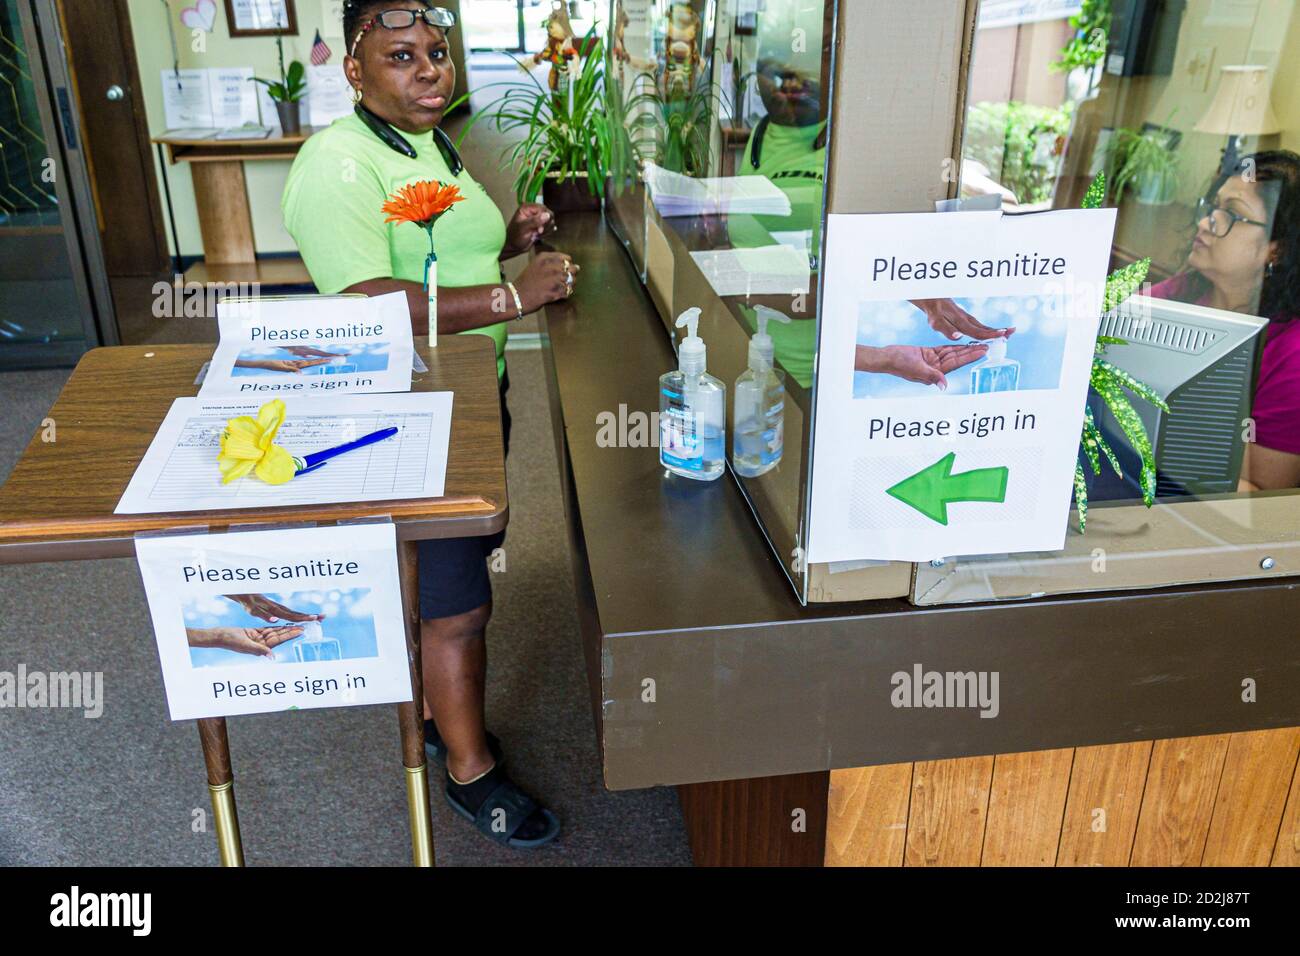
(317, 459)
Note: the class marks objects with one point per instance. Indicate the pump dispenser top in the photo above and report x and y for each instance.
(761, 350)
(691, 354)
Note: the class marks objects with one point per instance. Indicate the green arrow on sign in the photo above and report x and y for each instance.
(931, 490)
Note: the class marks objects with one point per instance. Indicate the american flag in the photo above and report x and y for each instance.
(320, 53)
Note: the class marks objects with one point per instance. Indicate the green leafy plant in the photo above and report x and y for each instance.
(565, 134)
(1008, 138)
(675, 129)
(292, 83)
(1110, 383)
(1145, 161)
(1087, 47)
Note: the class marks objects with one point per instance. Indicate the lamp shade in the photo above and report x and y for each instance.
(1241, 106)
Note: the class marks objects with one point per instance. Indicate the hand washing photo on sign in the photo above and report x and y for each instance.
(333, 358)
(257, 621)
(227, 630)
(1004, 344)
(953, 366)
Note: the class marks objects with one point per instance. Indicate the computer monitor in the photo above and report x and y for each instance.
(1203, 362)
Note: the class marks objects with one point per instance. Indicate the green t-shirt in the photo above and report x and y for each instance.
(789, 160)
(331, 203)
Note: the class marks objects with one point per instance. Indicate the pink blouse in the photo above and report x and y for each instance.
(1277, 393)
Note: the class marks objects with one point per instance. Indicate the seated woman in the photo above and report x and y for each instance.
(1246, 258)
(401, 71)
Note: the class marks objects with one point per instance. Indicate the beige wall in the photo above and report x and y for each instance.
(265, 178)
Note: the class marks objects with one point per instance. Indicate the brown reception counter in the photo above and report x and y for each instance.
(1110, 727)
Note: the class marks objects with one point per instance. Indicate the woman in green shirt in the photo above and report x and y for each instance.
(399, 65)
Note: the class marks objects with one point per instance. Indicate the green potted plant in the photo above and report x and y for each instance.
(1144, 160)
(287, 92)
(564, 136)
(1110, 383)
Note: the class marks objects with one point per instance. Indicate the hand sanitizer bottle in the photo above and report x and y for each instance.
(996, 373)
(314, 646)
(758, 439)
(692, 411)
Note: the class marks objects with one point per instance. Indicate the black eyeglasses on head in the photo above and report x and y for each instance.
(439, 17)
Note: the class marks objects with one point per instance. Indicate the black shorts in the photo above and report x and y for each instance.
(453, 571)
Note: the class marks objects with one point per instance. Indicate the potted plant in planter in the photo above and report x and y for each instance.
(564, 136)
(1146, 160)
(287, 92)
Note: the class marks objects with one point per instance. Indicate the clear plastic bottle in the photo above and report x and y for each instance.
(758, 438)
(692, 411)
(996, 373)
(315, 646)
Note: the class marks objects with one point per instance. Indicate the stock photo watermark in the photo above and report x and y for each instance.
(22, 689)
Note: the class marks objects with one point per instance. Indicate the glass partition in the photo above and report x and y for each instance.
(726, 110)
(1191, 110)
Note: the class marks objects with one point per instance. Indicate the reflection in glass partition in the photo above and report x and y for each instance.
(726, 123)
(1190, 110)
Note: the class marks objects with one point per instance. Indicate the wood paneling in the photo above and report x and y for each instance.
(1256, 779)
(866, 821)
(950, 800)
(1221, 800)
(1179, 800)
(1026, 803)
(757, 822)
(1286, 851)
(1101, 814)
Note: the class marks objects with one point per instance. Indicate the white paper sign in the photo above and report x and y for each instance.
(179, 472)
(187, 99)
(329, 95)
(312, 346)
(262, 621)
(233, 95)
(952, 374)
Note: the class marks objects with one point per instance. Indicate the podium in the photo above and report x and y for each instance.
(58, 506)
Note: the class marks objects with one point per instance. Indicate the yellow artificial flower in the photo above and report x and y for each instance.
(249, 445)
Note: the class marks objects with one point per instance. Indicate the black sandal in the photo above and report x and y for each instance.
(436, 749)
(505, 811)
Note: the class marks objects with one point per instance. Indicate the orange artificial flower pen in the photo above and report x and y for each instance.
(424, 203)
(421, 203)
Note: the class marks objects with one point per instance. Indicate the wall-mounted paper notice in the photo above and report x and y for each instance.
(312, 346)
(187, 99)
(262, 621)
(179, 472)
(329, 93)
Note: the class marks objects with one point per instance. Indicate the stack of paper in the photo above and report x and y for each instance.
(676, 195)
(767, 270)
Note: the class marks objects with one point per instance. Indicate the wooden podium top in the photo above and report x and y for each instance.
(58, 502)
(278, 145)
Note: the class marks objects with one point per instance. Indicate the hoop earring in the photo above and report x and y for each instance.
(356, 96)
(1268, 270)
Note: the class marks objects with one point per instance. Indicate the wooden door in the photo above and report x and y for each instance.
(110, 101)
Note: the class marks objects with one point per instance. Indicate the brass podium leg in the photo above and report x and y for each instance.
(221, 787)
(410, 716)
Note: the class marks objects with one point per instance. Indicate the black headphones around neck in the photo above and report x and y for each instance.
(396, 142)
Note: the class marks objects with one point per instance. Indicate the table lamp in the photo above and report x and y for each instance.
(1241, 108)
